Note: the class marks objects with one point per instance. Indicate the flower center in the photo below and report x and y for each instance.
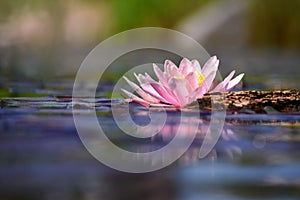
(180, 77)
(200, 79)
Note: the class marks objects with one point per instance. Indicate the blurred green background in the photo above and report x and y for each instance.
(46, 40)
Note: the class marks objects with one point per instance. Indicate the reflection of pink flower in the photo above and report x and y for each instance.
(179, 86)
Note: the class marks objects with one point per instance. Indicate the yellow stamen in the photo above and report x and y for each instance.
(181, 77)
(200, 79)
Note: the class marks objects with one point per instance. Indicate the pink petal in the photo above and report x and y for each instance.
(161, 105)
(165, 93)
(160, 75)
(234, 82)
(141, 79)
(178, 86)
(172, 70)
(146, 86)
(150, 89)
(198, 93)
(149, 78)
(136, 98)
(208, 80)
(211, 65)
(221, 87)
(142, 93)
(193, 80)
(185, 66)
(167, 65)
(137, 76)
(196, 66)
(159, 91)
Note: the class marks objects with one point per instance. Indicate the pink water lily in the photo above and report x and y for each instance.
(179, 86)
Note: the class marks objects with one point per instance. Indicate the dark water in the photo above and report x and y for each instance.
(42, 157)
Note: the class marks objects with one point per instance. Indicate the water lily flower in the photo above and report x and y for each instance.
(179, 86)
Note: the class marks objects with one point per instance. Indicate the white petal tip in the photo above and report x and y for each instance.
(235, 81)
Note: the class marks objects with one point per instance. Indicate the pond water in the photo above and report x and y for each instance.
(42, 157)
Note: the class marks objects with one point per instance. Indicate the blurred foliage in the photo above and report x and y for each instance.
(166, 13)
(272, 22)
(125, 14)
(275, 23)
(42, 39)
(8, 8)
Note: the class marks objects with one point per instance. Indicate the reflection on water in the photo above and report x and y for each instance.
(41, 156)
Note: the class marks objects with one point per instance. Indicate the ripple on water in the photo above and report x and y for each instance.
(257, 155)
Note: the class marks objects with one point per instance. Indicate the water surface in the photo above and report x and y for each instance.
(42, 157)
